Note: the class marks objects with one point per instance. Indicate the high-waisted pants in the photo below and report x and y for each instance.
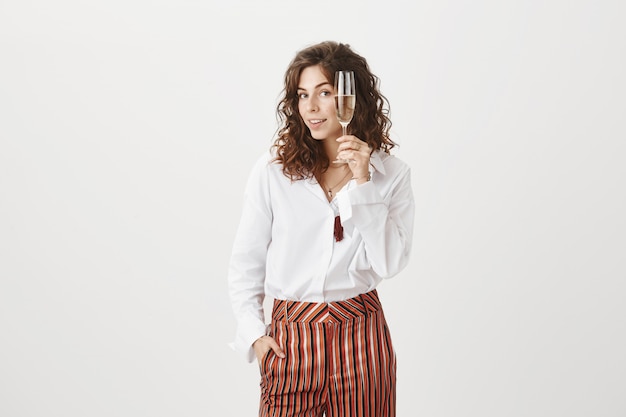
(339, 360)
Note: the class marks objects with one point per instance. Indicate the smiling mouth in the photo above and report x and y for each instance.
(316, 121)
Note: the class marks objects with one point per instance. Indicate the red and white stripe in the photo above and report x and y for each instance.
(339, 361)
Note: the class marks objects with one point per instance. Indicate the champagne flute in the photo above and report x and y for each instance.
(345, 100)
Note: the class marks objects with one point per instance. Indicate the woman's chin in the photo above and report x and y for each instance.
(317, 136)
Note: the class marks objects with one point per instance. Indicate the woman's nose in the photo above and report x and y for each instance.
(313, 104)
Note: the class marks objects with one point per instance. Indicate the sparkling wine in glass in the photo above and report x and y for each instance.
(345, 99)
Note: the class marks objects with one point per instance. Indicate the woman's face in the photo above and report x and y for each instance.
(316, 104)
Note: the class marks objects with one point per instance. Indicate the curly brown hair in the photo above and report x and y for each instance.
(302, 156)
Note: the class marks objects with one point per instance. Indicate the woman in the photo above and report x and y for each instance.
(318, 237)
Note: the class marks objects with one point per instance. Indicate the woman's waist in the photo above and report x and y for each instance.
(323, 289)
(326, 312)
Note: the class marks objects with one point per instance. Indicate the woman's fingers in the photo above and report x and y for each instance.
(357, 153)
(264, 344)
(350, 142)
(274, 346)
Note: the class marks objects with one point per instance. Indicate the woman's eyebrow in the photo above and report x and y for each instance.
(317, 86)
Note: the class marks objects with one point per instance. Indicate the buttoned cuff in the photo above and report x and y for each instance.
(360, 195)
(248, 330)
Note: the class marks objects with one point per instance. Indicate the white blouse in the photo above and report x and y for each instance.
(285, 246)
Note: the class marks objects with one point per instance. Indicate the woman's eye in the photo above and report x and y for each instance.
(325, 93)
(302, 95)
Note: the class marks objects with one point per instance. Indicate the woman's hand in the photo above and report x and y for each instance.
(357, 153)
(263, 345)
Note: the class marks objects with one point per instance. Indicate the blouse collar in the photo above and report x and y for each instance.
(376, 160)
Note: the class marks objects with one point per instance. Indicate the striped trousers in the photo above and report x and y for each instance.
(339, 361)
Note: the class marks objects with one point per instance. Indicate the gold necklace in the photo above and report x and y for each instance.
(330, 189)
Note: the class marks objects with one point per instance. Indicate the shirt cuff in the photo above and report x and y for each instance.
(248, 331)
(363, 194)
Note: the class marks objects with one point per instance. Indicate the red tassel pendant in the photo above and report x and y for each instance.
(338, 229)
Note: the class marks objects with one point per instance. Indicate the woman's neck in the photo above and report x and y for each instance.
(330, 147)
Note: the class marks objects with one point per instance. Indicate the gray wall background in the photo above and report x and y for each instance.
(127, 129)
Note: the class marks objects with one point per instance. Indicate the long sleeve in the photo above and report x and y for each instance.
(385, 223)
(247, 267)
(284, 247)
